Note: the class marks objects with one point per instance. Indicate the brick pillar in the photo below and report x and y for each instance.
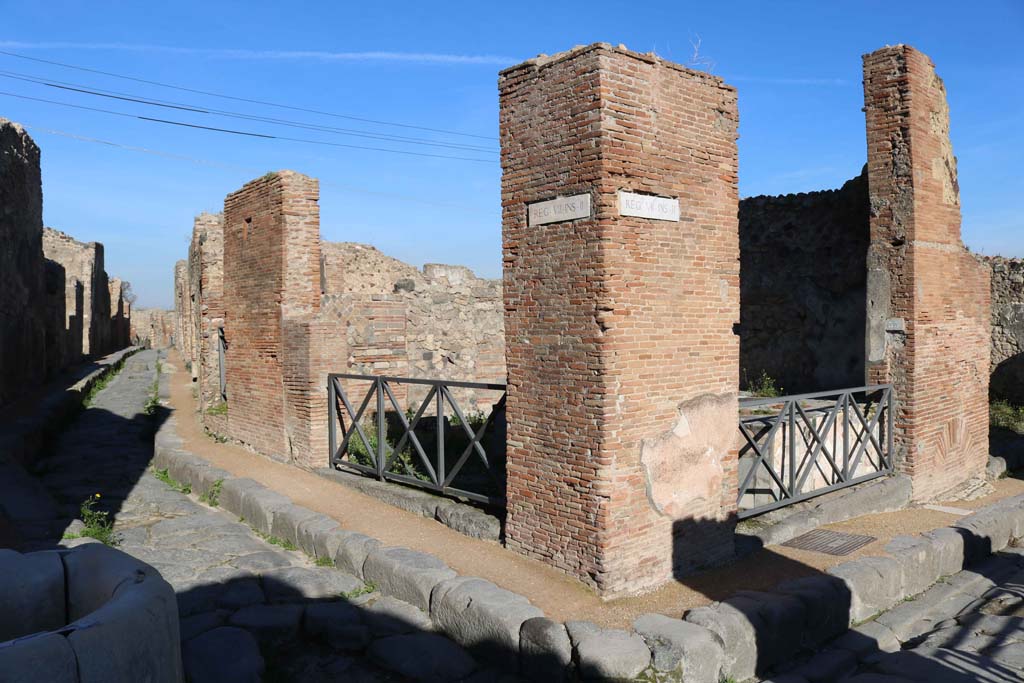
(928, 299)
(622, 359)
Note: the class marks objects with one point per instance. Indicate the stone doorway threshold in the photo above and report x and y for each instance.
(562, 598)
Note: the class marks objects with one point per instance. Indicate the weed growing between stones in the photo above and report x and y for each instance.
(214, 435)
(97, 523)
(218, 408)
(212, 497)
(274, 540)
(1005, 414)
(764, 386)
(99, 385)
(166, 478)
(324, 562)
(368, 588)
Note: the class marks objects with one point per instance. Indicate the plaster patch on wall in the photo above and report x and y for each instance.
(683, 467)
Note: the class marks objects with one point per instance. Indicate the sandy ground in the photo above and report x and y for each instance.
(561, 597)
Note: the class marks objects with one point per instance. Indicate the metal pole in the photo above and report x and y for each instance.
(442, 474)
(892, 427)
(332, 420)
(792, 448)
(846, 436)
(381, 433)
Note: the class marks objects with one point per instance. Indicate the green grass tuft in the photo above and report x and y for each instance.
(1006, 415)
(212, 497)
(166, 478)
(97, 523)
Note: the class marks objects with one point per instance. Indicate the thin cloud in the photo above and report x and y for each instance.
(279, 55)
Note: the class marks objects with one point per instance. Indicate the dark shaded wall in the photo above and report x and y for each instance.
(1007, 380)
(803, 273)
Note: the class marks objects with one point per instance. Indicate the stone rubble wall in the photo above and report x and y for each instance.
(1007, 327)
(152, 327)
(59, 305)
(803, 266)
(929, 320)
(206, 289)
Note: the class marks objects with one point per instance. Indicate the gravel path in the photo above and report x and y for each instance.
(249, 607)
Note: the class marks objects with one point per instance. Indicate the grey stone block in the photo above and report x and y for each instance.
(390, 616)
(233, 490)
(338, 623)
(545, 652)
(948, 545)
(996, 468)
(326, 543)
(677, 644)
(875, 585)
(919, 562)
(481, 617)
(259, 506)
(422, 657)
(31, 593)
(468, 520)
(207, 479)
(736, 624)
(577, 630)
(828, 666)
(269, 623)
(989, 531)
(205, 660)
(185, 468)
(826, 601)
(93, 572)
(867, 638)
(780, 618)
(406, 574)
(42, 657)
(295, 584)
(287, 521)
(353, 548)
(132, 637)
(312, 527)
(611, 654)
(199, 624)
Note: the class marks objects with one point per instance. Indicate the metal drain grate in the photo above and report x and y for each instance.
(829, 542)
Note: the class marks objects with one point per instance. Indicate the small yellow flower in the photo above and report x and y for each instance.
(97, 495)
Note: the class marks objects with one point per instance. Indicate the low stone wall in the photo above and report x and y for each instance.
(735, 639)
(1007, 328)
(89, 613)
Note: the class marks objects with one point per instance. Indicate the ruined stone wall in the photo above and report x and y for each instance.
(22, 271)
(184, 335)
(622, 357)
(271, 294)
(206, 288)
(928, 327)
(803, 265)
(1007, 327)
(83, 269)
(443, 322)
(153, 327)
(120, 316)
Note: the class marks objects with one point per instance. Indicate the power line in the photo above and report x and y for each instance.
(236, 167)
(244, 99)
(241, 132)
(129, 97)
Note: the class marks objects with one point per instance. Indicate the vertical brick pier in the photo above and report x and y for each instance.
(928, 298)
(621, 350)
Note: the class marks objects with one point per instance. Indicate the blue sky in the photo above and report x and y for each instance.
(796, 64)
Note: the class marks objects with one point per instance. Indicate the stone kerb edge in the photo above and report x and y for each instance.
(121, 623)
(747, 627)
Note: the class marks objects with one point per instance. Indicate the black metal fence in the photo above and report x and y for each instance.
(798, 447)
(436, 446)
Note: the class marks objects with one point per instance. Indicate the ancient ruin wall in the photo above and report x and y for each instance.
(206, 289)
(621, 352)
(184, 335)
(22, 276)
(83, 269)
(152, 327)
(928, 299)
(120, 315)
(1007, 328)
(803, 260)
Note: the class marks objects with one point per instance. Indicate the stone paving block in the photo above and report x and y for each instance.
(261, 561)
(233, 490)
(948, 544)
(338, 623)
(782, 618)
(677, 644)
(918, 560)
(205, 661)
(828, 666)
(259, 505)
(309, 529)
(874, 583)
(406, 574)
(422, 657)
(294, 584)
(199, 624)
(736, 624)
(287, 521)
(611, 654)
(32, 593)
(185, 467)
(132, 637)
(545, 651)
(390, 616)
(353, 548)
(577, 630)
(207, 479)
(481, 617)
(326, 544)
(269, 623)
(41, 657)
(469, 520)
(826, 601)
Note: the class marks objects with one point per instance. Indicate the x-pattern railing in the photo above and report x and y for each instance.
(828, 439)
(384, 456)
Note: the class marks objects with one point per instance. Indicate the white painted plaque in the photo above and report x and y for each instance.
(560, 209)
(646, 206)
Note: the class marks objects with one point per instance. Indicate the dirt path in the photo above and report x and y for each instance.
(560, 596)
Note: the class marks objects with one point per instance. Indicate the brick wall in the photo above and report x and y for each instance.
(803, 265)
(1007, 327)
(928, 298)
(22, 275)
(622, 359)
